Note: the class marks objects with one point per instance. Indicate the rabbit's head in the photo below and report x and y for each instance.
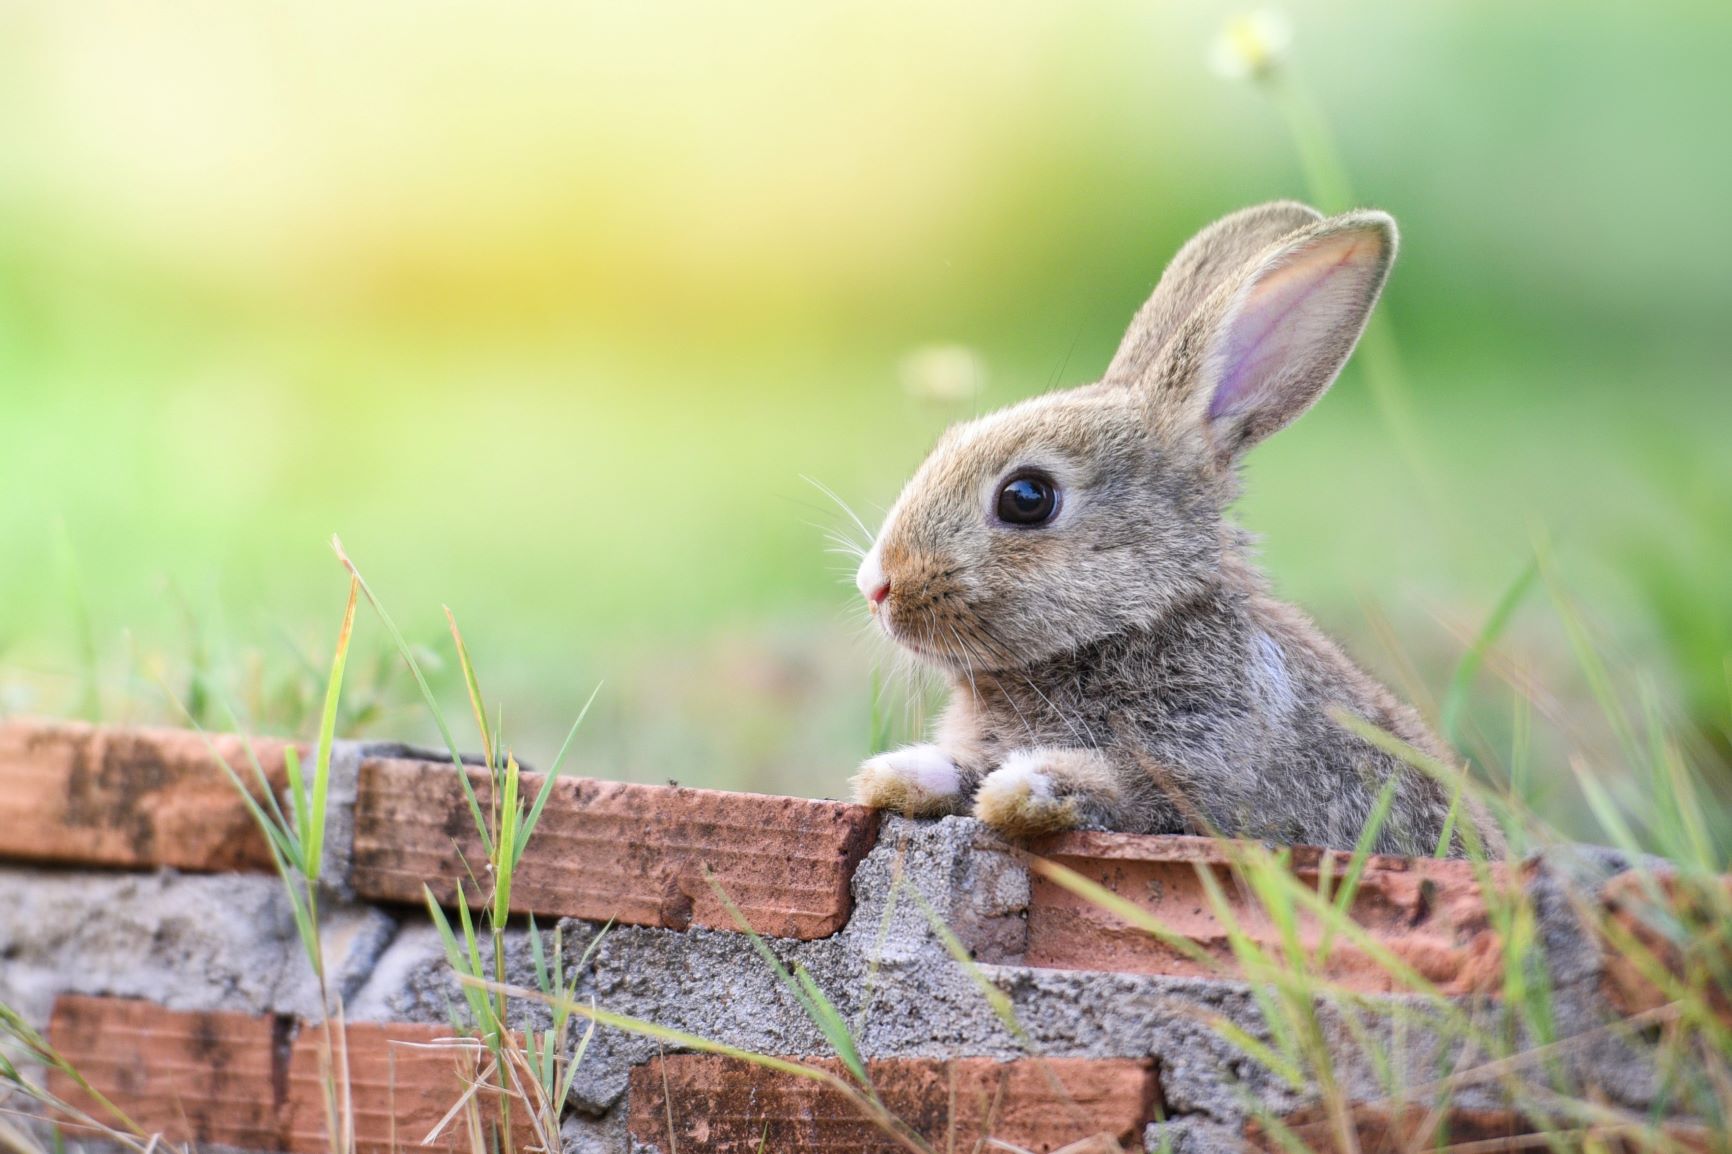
(1072, 516)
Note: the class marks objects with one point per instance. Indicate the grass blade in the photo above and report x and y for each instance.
(426, 689)
(830, 1023)
(313, 840)
(476, 998)
(1446, 836)
(810, 998)
(1128, 911)
(473, 685)
(1455, 697)
(546, 789)
(1606, 809)
(505, 864)
(1361, 855)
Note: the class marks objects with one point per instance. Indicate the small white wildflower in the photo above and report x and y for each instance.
(1253, 45)
(948, 374)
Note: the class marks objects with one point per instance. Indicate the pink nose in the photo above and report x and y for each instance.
(878, 595)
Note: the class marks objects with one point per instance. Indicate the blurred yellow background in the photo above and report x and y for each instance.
(548, 309)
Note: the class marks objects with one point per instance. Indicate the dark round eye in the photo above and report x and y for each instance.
(1027, 499)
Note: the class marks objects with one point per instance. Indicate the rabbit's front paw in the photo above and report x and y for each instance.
(1037, 791)
(916, 781)
(1019, 799)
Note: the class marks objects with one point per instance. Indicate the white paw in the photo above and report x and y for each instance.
(1024, 774)
(1018, 799)
(915, 780)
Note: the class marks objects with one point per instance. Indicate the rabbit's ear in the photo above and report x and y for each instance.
(1208, 260)
(1262, 350)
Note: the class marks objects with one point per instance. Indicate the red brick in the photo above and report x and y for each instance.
(253, 1081)
(192, 1077)
(1383, 1129)
(633, 853)
(134, 798)
(1388, 1128)
(728, 1105)
(403, 1079)
(1679, 924)
(1430, 913)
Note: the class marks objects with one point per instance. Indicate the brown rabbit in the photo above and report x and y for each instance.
(1116, 660)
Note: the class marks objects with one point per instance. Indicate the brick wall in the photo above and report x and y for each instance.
(142, 927)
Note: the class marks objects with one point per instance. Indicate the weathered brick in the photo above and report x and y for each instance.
(726, 1104)
(1430, 913)
(1399, 1128)
(1378, 1128)
(192, 1077)
(403, 1080)
(633, 853)
(258, 1081)
(134, 798)
(1666, 922)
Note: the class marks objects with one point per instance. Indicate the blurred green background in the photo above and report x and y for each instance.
(548, 309)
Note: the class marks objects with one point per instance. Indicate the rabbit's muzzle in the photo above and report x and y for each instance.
(926, 609)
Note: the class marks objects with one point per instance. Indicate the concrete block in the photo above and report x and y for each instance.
(223, 942)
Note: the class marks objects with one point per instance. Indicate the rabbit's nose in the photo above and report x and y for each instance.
(871, 581)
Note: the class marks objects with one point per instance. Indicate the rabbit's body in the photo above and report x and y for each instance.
(1194, 719)
(1116, 661)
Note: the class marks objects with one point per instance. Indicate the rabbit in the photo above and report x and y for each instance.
(1115, 659)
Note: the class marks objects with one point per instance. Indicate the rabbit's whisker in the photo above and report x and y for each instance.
(843, 505)
(968, 668)
(832, 535)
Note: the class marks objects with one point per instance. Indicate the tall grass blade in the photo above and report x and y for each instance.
(1127, 911)
(1588, 658)
(832, 1025)
(313, 841)
(454, 953)
(473, 685)
(299, 804)
(546, 789)
(1606, 810)
(1349, 887)
(997, 999)
(811, 999)
(1455, 697)
(505, 863)
(427, 696)
(1446, 836)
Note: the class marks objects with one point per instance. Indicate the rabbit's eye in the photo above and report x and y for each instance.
(1027, 499)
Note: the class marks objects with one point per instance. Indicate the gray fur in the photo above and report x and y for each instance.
(1125, 666)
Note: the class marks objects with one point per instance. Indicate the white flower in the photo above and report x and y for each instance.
(948, 374)
(1252, 46)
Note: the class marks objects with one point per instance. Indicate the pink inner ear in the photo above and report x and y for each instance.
(1283, 315)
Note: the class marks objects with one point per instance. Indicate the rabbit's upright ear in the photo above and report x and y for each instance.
(1263, 349)
(1208, 260)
